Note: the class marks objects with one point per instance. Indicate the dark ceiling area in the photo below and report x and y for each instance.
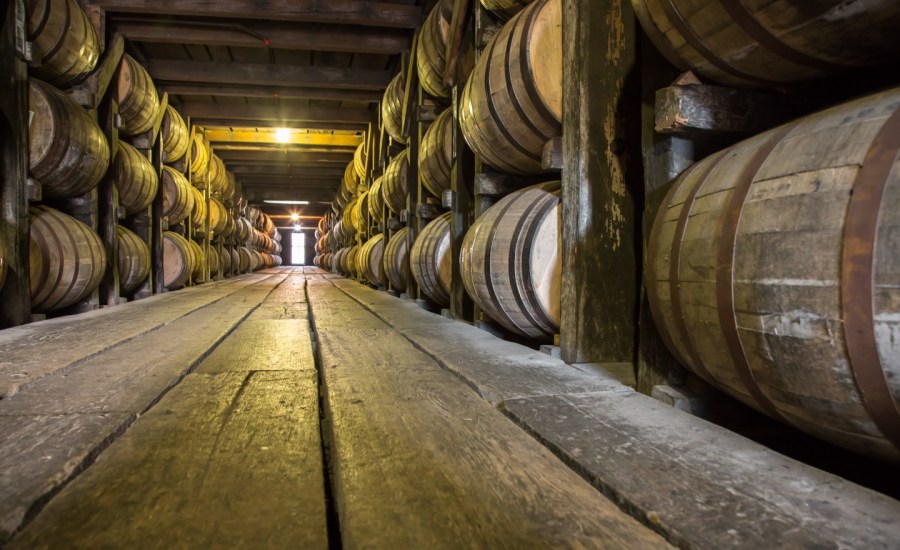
(284, 88)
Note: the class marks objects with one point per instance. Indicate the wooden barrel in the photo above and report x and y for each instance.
(218, 216)
(135, 179)
(773, 273)
(322, 227)
(436, 154)
(244, 230)
(431, 261)
(178, 196)
(392, 108)
(370, 260)
(175, 135)
(230, 227)
(244, 259)
(256, 260)
(396, 259)
(198, 213)
(133, 260)
(753, 44)
(394, 184)
(213, 261)
(199, 157)
(198, 273)
(229, 193)
(359, 161)
(505, 9)
(68, 152)
(136, 95)
(376, 201)
(505, 124)
(226, 262)
(178, 260)
(348, 262)
(64, 39)
(511, 263)
(431, 59)
(359, 211)
(351, 179)
(218, 178)
(66, 259)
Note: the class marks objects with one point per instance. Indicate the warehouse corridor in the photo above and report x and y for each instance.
(294, 408)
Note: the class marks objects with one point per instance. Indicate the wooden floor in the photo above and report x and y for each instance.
(293, 408)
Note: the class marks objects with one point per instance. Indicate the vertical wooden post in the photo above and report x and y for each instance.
(157, 226)
(108, 215)
(15, 294)
(601, 190)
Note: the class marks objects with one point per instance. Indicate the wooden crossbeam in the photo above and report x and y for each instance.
(296, 124)
(243, 170)
(263, 92)
(256, 35)
(267, 136)
(299, 178)
(247, 157)
(285, 112)
(262, 74)
(287, 194)
(345, 12)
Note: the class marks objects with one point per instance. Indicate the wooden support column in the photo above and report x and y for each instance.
(600, 185)
(108, 210)
(15, 294)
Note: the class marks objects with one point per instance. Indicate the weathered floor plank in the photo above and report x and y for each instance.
(419, 461)
(230, 460)
(759, 498)
(32, 351)
(263, 345)
(126, 379)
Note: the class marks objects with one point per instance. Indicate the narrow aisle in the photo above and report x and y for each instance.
(420, 461)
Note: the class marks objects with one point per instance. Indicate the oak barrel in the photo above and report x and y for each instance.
(505, 8)
(136, 95)
(178, 260)
(436, 154)
(510, 261)
(63, 39)
(212, 259)
(430, 260)
(244, 259)
(218, 216)
(360, 211)
(359, 161)
(226, 262)
(431, 59)
(512, 103)
(774, 273)
(199, 211)
(175, 135)
(394, 185)
(351, 178)
(396, 259)
(218, 178)
(369, 260)
(768, 44)
(67, 259)
(133, 260)
(177, 196)
(198, 273)
(392, 108)
(376, 201)
(135, 179)
(199, 157)
(67, 151)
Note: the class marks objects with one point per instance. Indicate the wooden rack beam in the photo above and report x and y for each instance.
(266, 136)
(272, 92)
(283, 112)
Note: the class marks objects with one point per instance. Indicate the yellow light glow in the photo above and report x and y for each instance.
(295, 217)
(282, 135)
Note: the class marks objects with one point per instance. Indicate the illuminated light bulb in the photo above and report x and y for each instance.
(295, 217)
(282, 135)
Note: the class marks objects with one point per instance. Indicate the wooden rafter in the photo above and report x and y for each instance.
(247, 157)
(269, 136)
(262, 74)
(261, 92)
(284, 112)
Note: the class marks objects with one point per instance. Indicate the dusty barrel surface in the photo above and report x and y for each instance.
(766, 44)
(370, 260)
(133, 260)
(212, 260)
(198, 271)
(135, 179)
(359, 161)
(199, 158)
(64, 39)
(512, 104)
(394, 187)
(136, 95)
(66, 259)
(67, 151)
(199, 211)
(392, 108)
(774, 268)
(505, 8)
(175, 135)
(430, 260)
(178, 260)
(396, 259)
(511, 264)
(178, 198)
(436, 154)
(218, 177)
(430, 53)
(376, 201)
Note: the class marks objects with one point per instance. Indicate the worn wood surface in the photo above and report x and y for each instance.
(698, 109)
(225, 460)
(700, 474)
(396, 418)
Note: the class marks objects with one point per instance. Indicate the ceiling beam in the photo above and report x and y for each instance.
(262, 92)
(306, 139)
(285, 194)
(302, 179)
(296, 124)
(256, 35)
(265, 74)
(242, 170)
(279, 113)
(247, 157)
(346, 12)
